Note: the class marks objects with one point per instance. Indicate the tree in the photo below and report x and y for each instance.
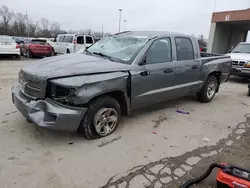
(54, 29)
(7, 16)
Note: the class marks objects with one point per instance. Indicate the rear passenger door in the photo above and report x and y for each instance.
(187, 69)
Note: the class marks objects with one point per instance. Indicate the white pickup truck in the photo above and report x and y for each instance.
(70, 43)
(241, 60)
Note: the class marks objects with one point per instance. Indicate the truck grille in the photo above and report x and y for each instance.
(31, 87)
(238, 63)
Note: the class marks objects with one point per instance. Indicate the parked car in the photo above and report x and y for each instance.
(9, 47)
(70, 43)
(35, 47)
(90, 91)
(241, 60)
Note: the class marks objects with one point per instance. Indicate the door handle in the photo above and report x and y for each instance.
(145, 73)
(195, 67)
(168, 70)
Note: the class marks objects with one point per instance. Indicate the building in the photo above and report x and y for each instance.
(228, 29)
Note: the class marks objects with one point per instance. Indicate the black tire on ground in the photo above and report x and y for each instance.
(17, 56)
(86, 127)
(68, 52)
(28, 54)
(203, 96)
(248, 93)
(53, 52)
(21, 53)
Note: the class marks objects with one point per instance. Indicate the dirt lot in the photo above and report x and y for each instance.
(154, 147)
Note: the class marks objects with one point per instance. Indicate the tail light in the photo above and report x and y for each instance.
(74, 41)
(17, 46)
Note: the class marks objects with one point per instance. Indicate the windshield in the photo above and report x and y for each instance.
(242, 48)
(122, 48)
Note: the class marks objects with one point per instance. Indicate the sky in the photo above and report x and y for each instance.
(183, 16)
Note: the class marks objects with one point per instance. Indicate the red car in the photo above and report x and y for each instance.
(35, 47)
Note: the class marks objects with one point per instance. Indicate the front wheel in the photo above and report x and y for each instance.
(101, 119)
(208, 91)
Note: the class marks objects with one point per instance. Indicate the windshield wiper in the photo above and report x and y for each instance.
(103, 55)
(236, 51)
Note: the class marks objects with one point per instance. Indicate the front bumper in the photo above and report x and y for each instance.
(47, 113)
(243, 72)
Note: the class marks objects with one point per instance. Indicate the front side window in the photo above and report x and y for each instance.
(159, 52)
(184, 49)
(122, 48)
(242, 48)
(60, 39)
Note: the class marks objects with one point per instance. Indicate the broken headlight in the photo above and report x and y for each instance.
(61, 94)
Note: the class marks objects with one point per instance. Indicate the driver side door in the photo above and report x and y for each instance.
(152, 83)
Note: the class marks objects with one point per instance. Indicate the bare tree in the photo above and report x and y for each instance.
(43, 30)
(7, 16)
(33, 27)
(54, 29)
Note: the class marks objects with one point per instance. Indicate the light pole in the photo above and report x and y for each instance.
(120, 17)
(125, 25)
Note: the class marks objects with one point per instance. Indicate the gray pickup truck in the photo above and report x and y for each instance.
(89, 91)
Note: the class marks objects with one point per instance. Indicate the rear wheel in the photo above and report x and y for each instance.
(209, 90)
(68, 52)
(28, 54)
(101, 119)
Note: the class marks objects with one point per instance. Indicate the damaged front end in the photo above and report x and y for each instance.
(46, 104)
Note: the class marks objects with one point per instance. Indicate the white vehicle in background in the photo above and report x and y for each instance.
(9, 47)
(70, 43)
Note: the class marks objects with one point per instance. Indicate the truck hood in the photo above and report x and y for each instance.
(240, 56)
(70, 65)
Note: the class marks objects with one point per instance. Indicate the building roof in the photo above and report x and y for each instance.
(235, 15)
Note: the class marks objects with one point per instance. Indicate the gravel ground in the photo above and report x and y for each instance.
(153, 147)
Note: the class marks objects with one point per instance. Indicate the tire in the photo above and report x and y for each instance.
(248, 93)
(21, 53)
(17, 56)
(28, 54)
(53, 53)
(88, 126)
(68, 52)
(206, 94)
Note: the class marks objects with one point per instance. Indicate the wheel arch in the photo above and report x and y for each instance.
(118, 95)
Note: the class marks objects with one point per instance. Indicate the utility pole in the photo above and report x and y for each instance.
(28, 29)
(102, 30)
(215, 5)
(120, 17)
(125, 25)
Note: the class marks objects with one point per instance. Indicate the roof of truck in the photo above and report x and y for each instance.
(150, 34)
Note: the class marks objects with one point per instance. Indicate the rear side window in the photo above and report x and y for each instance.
(68, 39)
(89, 40)
(184, 48)
(80, 40)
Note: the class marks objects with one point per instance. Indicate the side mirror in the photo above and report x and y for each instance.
(54, 40)
(86, 47)
(144, 60)
(229, 51)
